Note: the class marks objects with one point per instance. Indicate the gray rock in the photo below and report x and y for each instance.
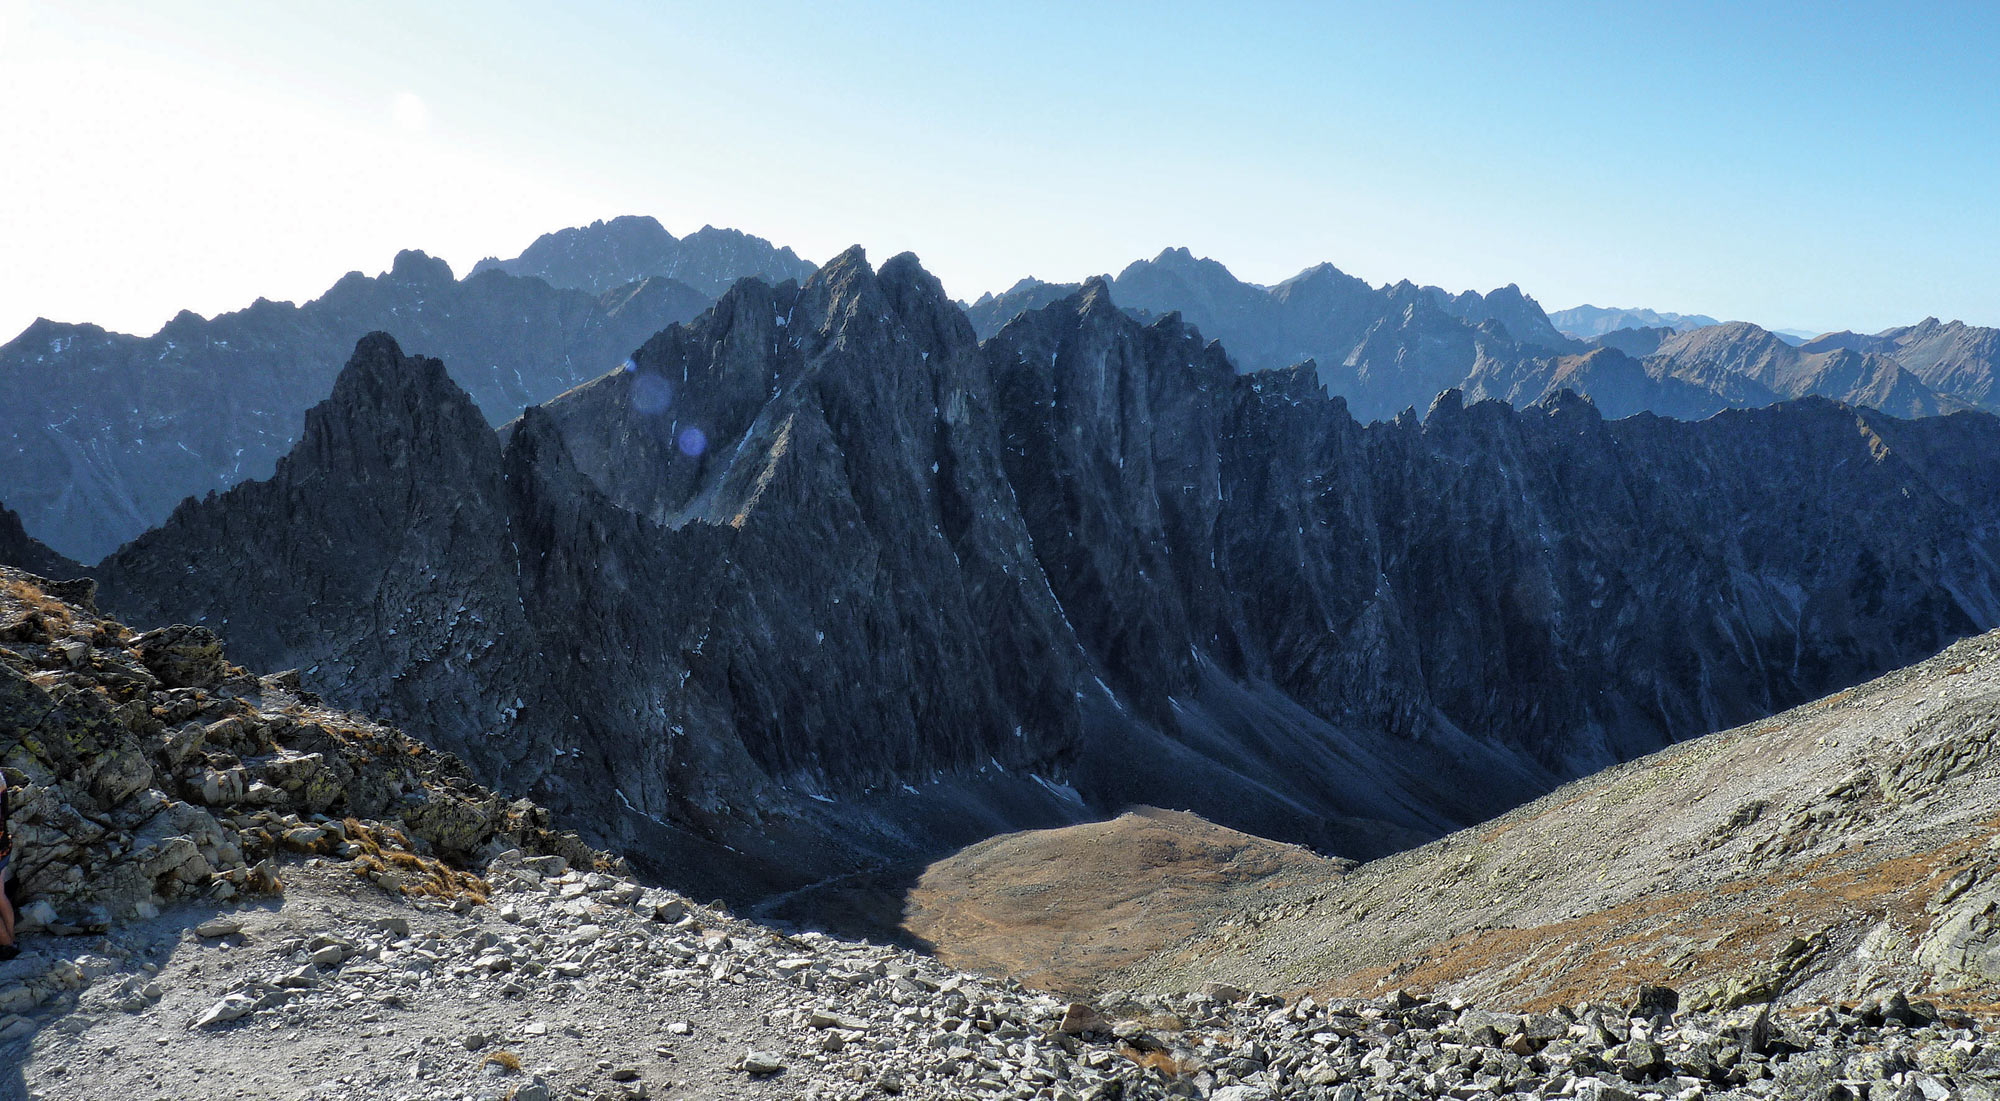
(182, 656)
(228, 1009)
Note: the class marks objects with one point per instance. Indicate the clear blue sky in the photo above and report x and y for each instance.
(1800, 165)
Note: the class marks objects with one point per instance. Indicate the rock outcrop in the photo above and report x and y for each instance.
(819, 557)
(145, 768)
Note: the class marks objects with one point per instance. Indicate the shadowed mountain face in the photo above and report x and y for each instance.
(823, 579)
(101, 433)
(604, 255)
(25, 552)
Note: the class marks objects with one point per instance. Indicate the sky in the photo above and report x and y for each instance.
(1811, 166)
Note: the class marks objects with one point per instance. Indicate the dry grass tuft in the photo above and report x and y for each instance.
(385, 858)
(31, 615)
(1159, 1061)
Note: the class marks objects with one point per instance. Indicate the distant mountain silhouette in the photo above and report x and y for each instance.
(603, 255)
(1587, 321)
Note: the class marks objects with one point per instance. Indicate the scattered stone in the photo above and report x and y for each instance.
(821, 1018)
(228, 1009)
(1080, 1018)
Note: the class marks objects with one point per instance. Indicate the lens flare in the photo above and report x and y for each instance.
(651, 394)
(693, 442)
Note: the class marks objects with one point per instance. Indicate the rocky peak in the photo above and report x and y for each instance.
(414, 266)
(842, 285)
(206, 404)
(919, 299)
(1094, 302)
(393, 409)
(604, 255)
(1568, 406)
(1448, 404)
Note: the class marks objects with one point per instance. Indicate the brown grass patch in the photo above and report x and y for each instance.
(1160, 1061)
(1685, 937)
(33, 598)
(392, 865)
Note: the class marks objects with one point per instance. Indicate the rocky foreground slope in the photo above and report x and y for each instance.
(235, 893)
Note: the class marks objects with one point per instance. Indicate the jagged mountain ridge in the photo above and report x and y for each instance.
(1087, 551)
(605, 255)
(102, 433)
(1398, 346)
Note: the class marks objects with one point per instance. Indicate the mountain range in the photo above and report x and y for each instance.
(1395, 347)
(822, 580)
(101, 433)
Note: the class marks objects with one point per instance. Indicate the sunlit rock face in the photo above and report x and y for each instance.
(818, 579)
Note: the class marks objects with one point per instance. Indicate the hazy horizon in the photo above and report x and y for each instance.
(1750, 166)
